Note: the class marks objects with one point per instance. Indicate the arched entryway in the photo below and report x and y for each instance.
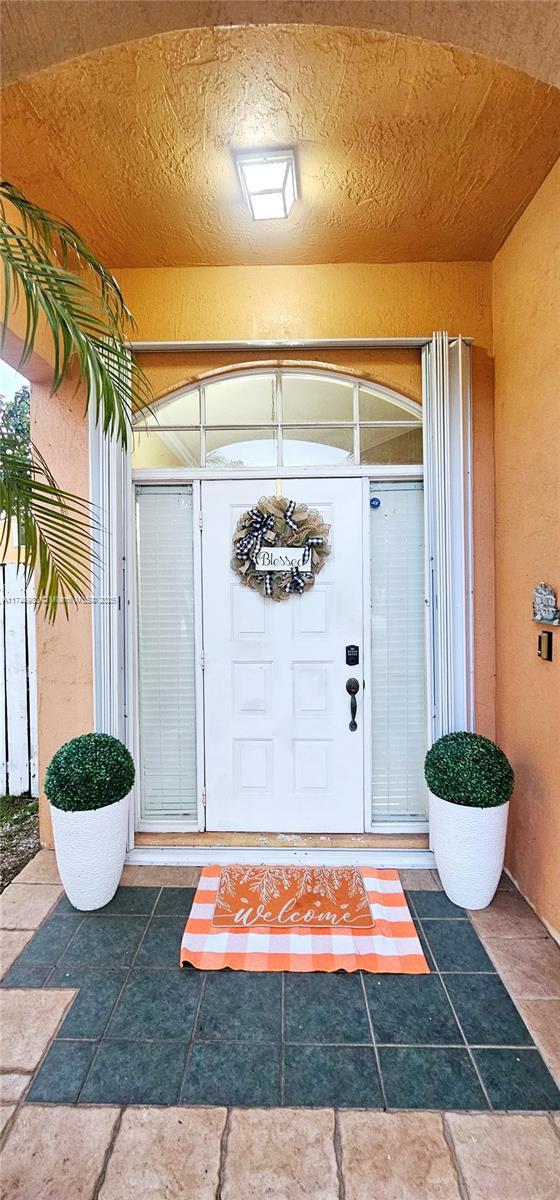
(236, 707)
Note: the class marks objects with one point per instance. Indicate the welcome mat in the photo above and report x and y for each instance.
(281, 897)
(301, 919)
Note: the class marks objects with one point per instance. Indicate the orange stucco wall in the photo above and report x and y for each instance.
(329, 300)
(64, 649)
(215, 303)
(398, 369)
(527, 433)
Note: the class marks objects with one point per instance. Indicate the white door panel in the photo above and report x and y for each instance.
(280, 756)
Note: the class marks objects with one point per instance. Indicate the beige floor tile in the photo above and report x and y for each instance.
(166, 1152)
(530, 967)
(506, 1158)
(160, 876)
(29, 1019)
(12, 942)
(396, 1156)
(5, 1113)
(422, 881)
(280, 1154)
(508, 916)
(55, 1153)
(25, 905)
(12, 1087)
(542, 1018)
(41, 869)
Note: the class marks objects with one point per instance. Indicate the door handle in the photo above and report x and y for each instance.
(352, 686)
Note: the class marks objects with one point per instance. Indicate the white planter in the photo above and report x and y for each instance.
(468, 845)
(90, 849)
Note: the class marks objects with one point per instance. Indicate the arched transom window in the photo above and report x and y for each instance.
(283, 418)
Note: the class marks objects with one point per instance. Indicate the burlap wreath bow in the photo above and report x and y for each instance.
(276, 521)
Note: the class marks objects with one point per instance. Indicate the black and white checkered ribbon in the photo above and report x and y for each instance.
(296, 580)
(268, 584)
(249, 545)
(310, 543)
(289, 515)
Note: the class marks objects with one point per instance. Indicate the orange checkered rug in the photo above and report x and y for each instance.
(301, 919)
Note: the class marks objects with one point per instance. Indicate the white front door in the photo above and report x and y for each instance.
(280, 756)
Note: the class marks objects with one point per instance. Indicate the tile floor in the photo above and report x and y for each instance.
(140, 1031)
(74, 985)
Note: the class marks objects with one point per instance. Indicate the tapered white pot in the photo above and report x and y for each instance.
(468, 845)
(90, 849)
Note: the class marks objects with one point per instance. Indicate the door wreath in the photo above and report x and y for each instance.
(279, 526)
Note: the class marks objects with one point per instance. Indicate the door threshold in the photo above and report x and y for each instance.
(296, 841)
(399, 851)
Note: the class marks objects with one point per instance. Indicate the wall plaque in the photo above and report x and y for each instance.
(545, 605)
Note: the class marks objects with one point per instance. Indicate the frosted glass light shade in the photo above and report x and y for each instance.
(268, 182)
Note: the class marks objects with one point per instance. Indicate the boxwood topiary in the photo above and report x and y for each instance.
(89, 772)
(468, 769)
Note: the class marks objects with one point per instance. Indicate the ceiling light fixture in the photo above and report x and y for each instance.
(268, 182)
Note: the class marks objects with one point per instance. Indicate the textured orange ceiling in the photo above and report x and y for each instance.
(407, 150)
(35, 34)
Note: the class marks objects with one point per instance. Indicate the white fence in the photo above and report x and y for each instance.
(18, 685)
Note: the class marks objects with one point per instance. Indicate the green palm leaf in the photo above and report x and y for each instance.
(55, 529)
(50, 271)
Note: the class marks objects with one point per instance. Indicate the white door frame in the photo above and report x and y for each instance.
(448, 515)
(367, 474)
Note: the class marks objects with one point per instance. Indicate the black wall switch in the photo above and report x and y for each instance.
(545, 645)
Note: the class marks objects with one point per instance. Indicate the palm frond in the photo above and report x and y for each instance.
(53, 275)
(55, 528)
(61, 241)
(87, 323)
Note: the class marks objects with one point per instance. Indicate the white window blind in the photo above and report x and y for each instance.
(166, 650)
(398, 652)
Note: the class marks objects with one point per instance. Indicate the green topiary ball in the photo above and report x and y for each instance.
(89, 772)
(466, 768)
